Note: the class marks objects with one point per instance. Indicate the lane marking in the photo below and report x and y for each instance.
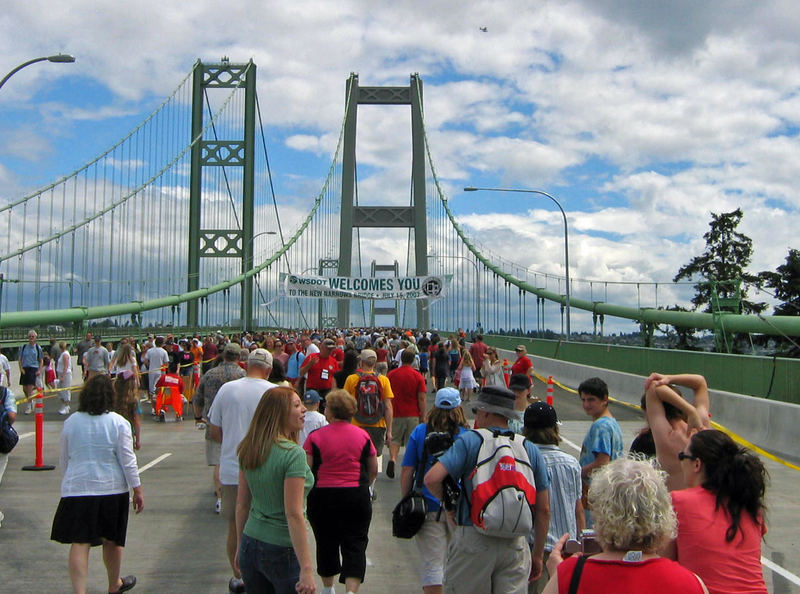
(785, 573)
(154, 462)
(571, 444)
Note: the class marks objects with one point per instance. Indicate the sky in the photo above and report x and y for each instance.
(641, 118)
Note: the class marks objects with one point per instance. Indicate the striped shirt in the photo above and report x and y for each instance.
(565, 490)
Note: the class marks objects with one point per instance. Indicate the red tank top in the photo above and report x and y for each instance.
(651, 576)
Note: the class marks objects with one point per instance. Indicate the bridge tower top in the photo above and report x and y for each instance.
(354, 216)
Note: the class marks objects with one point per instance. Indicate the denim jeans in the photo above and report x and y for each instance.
(268, 568)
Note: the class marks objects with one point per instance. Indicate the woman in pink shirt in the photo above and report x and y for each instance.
(344, 463)
(720, 514)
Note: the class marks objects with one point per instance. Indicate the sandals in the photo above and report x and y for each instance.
(128, 582)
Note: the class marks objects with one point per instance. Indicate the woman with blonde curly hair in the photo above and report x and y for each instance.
(274, 480)
(634, 520)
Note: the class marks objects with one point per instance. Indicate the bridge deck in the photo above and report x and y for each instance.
(177, 544)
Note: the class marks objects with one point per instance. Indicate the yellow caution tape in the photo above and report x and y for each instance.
(734, 436)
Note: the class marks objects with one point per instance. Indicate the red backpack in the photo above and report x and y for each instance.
(369, 398)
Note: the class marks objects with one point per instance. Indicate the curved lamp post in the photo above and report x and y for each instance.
(58, 58)
(566, 232)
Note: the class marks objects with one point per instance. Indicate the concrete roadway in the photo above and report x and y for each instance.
(177, 543)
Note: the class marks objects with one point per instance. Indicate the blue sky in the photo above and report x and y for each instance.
(641, 120)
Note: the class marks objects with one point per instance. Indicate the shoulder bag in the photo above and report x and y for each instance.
(8, 435)
(409, 513)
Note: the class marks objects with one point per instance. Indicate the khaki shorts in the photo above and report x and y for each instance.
(378, 437)
(229, 494)
(402, 428)
(212, 452)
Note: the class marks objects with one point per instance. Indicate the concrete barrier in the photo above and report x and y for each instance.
(768, 424)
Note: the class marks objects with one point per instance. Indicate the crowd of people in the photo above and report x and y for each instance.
(297, 422)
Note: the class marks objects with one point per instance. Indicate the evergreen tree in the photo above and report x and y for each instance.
(725, 258)
(785, 281)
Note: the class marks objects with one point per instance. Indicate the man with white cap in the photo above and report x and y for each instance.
(503, 563)
(212, 380)
(229, 418)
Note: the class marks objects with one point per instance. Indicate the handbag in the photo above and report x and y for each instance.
(8, 435)
(408, 515)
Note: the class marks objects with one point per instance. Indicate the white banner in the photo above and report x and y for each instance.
(366, 287)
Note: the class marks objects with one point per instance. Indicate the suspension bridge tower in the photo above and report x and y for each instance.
(214, 242)
(356, 216)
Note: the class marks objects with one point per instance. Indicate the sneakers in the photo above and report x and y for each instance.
(200, 425)
(128, 582)
(29, 408)
(218, 506)
(236, 586)
(390, 469)
(64, 410)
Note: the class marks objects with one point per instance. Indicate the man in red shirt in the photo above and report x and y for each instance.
(210, 353)
(522, 364)
(320, 368)
(478, 352)
(408, 387)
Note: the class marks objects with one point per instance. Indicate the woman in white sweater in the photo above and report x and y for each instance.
(99, 470)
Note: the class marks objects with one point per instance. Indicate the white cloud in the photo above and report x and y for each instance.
(647, 117)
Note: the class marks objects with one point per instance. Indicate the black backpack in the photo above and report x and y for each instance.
(8, 435)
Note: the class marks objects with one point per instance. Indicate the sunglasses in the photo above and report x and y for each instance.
(684, 456)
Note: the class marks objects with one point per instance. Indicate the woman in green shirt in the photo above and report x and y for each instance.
(274, 480)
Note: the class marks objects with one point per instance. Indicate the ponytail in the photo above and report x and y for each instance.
(734, 474)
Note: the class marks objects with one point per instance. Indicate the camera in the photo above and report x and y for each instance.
(586, 544)
(436, 444)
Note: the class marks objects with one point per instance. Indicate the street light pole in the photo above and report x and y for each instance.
(58, 58)
(477, 284)
(566, 234)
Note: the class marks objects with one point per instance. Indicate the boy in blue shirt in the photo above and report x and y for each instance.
(603, 442)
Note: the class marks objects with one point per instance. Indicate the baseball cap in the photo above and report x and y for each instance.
(260, 357)
(311, 397)
(447, 398)
(540, 415)
(329, 343)
(368, 354)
